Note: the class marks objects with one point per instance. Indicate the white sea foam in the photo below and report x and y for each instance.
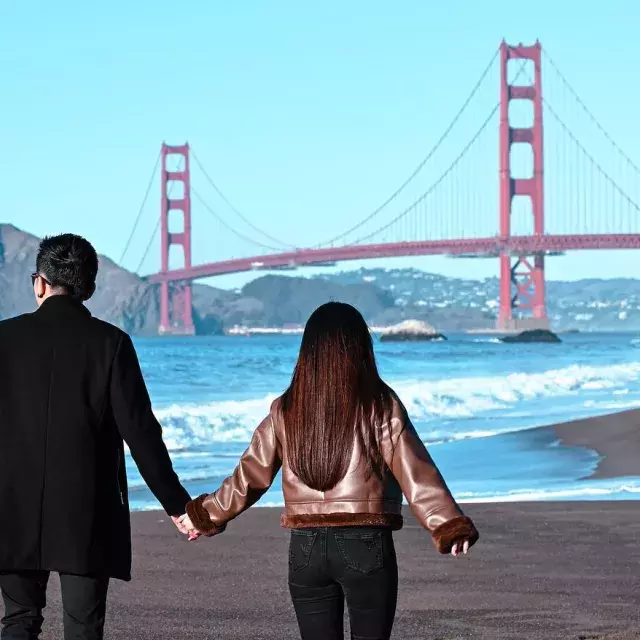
(616, 406)
(226, 421)
(466, 397)
(188, 425)
(440, 437)
(586, 490)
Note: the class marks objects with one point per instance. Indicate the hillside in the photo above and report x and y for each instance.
(121, 298)
(128, 301)
(385, 296)
(586, 305)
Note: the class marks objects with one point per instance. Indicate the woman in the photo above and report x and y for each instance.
(348, 452)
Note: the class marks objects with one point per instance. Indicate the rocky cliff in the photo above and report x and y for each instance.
(121, 298)
(128, 301)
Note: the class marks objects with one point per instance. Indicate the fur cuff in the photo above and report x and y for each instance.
(200, 518)
(454, 530)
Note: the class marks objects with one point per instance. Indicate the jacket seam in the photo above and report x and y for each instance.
(106, 403)
(273, 430)
(46, 453)
(217, 503)
(107, 395)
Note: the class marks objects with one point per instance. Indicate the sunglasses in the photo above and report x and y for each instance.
(35, 276)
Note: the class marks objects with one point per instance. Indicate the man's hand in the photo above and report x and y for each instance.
(194, 533)
(179, 521)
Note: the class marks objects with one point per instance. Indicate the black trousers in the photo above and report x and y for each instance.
(25, 596)
(329, 565)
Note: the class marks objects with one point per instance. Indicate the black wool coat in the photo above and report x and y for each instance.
(71, 391)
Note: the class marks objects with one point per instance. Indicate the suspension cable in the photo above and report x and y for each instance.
(450, 168)
(221, 220)
(604, 132)
(438, 181)
(593, 161)
(146, 251)
(233, 208)
(144, 202)
(426, 159)
(155, 231)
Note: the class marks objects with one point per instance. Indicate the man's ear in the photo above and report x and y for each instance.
(91, 291)
(41, 288)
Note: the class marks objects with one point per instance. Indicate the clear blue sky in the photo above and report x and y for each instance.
(307, 115)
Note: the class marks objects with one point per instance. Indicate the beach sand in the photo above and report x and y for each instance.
(615, 437)
(554, 570)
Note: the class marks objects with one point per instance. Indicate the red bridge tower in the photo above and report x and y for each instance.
(175, 298)
(522, 282)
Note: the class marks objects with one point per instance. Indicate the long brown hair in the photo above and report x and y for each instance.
(336, 395)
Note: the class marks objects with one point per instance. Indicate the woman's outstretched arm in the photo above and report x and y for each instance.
(251, 479)
(423, 485)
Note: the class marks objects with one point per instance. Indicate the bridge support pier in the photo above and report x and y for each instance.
(522, 279)
(176, 314)
(522, 285)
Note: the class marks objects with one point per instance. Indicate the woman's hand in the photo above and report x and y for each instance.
(460, 546)
(192, 532)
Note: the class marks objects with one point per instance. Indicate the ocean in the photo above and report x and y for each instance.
(472, 399)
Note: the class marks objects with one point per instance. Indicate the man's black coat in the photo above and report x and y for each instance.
(71, 390)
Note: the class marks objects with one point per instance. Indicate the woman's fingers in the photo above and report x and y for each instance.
(194, 534)
(457, 547)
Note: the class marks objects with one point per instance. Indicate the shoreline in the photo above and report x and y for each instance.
(614, 437)
(608, 447)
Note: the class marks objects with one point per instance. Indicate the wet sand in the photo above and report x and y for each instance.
(552, 571)
(544, 570)
(615, 437)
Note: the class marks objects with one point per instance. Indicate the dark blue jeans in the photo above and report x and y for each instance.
(329, 565)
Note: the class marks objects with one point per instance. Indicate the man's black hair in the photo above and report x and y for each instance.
(69, 262)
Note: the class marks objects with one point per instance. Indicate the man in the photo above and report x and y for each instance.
(71, 390)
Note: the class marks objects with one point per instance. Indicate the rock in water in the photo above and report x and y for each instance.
(533, 335)
(411, 331)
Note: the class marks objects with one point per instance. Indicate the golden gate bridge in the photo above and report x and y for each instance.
(449, 218)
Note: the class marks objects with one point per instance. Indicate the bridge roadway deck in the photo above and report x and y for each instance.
(472, 247)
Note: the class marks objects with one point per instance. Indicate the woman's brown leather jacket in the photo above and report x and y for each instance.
(354, 501)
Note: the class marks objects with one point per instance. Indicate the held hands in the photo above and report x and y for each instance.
(184, 525)
(460, 546)
(179, 522)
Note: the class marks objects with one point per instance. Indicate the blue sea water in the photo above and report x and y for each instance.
(472, 399)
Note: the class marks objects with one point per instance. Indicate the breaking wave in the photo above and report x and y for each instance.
(192, 425)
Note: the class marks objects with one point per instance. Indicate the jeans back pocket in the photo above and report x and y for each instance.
(300, 548)
(361, 552)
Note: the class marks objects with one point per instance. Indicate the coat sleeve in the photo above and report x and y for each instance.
(141, 431)
(251, 479)
(423, 485)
